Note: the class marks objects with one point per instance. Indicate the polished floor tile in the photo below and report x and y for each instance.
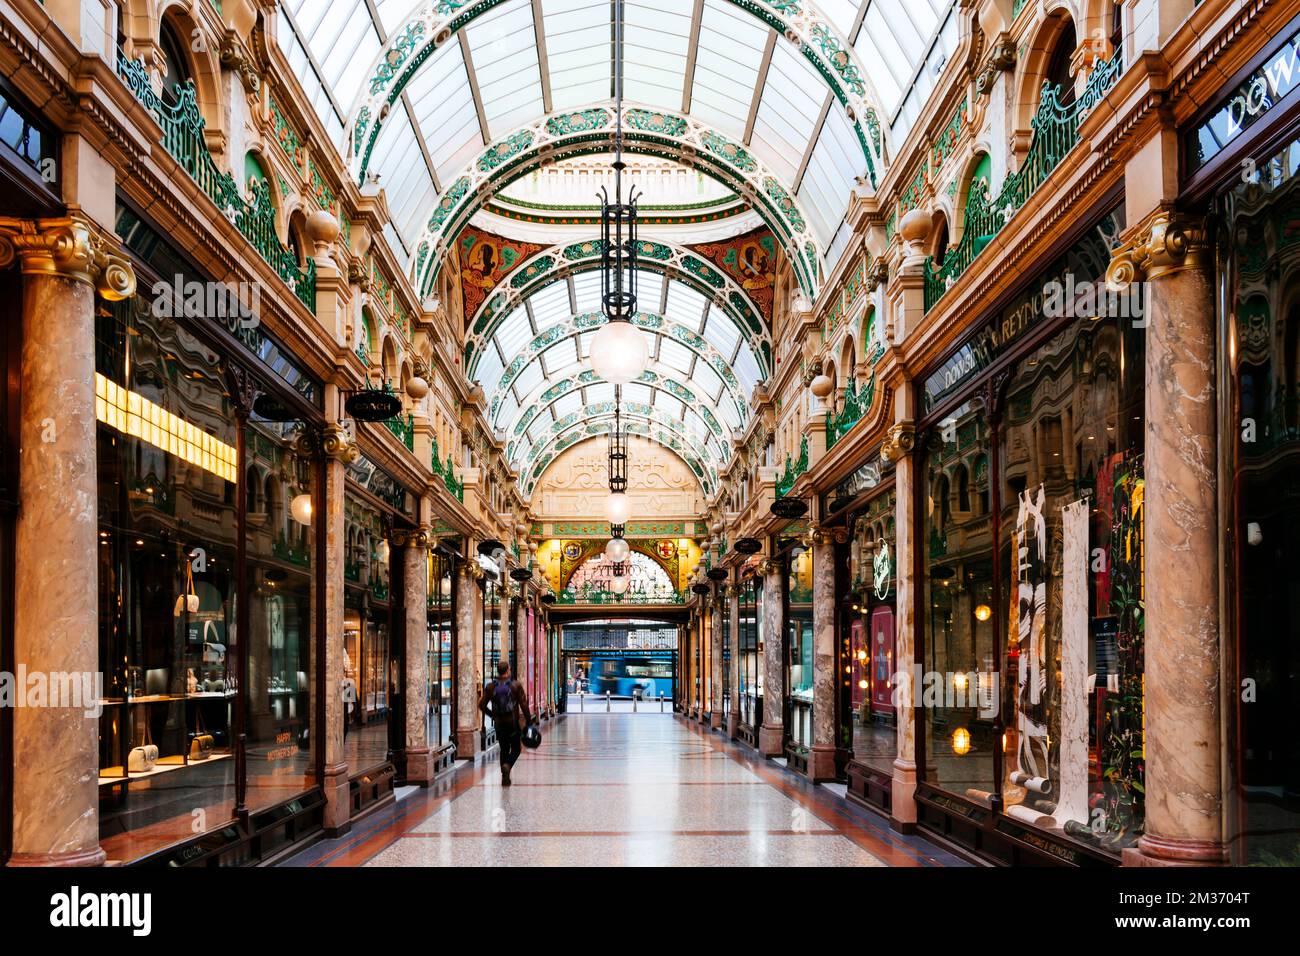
(625, 790)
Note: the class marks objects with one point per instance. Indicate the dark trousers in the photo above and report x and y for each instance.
(509, 739)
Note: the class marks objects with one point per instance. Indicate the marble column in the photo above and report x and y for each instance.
(898, 448)
(717, 609)
(469, 637)
(826, 678)
(419, 758)
(733, 634)
(64, 263)
(771, 736)
(339, 451)
(1184, 794)
(522, 650)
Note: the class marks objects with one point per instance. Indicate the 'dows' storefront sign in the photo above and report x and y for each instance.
(1262, 91)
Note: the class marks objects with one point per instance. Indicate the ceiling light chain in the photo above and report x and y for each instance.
(619, 352)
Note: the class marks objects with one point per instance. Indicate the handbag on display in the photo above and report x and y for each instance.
(142, 759)
(187, 603)
(200, 743)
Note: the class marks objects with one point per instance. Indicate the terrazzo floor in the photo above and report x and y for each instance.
(625, 790)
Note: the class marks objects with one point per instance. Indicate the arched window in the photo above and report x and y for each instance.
(175, 64)
(939, 232)
(963, 488)
(1058, 65)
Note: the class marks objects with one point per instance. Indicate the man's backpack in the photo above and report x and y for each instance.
(503, 701)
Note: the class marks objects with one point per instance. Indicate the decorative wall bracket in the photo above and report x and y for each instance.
(1002, 57)
(899, 442)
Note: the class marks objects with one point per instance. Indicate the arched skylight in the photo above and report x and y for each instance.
(702, 371)
(522, 59)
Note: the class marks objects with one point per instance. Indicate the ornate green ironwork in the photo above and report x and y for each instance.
(182, 126)
(403, 429)
(1055, 132)
(857, 402)
(793, 469)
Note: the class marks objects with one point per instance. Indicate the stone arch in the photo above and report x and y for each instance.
(574, 258)
(669, 434)
(940, 234)
(204, 67)
(1037, 60)
(436, 22)
(848, 357)
(590, 130)
(388, 359)
(598, 554)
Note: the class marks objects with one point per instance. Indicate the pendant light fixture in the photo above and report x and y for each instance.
(617, 551)
(617, 507)
(619, 352)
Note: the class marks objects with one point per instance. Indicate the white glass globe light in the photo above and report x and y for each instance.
(300, 508)
(619, 352)
(617, 508)
(619, 584)
(617, 550)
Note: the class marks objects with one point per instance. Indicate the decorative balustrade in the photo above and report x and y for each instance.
(596, 595)
(447, 473)
(254, 217)
(793, 469)
(404, 429)
(857, 402)
(1055, 131)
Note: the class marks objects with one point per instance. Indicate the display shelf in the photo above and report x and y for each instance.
(107, 779)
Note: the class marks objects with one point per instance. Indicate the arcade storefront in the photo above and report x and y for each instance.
(209, 577)
(863, 505)
(1028, 507)
(1241, 161)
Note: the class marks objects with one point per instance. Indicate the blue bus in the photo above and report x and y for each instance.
(644, 677)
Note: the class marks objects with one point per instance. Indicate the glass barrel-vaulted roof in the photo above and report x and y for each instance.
(535, 369)
(447, 102)
(718, 61)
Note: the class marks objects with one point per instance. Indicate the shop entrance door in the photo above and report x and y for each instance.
(859, 654)
(882, 660)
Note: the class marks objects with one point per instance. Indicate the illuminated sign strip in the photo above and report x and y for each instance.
(133, 414)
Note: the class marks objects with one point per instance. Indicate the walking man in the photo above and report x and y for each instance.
(506, 702)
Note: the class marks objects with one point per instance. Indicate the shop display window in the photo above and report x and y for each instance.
(1033, 667)
(1259, 276)
(281, 553)
(724, 623)
(491, 596)
(749, 645)
(959, 687)
(442, 650)
(368, 661)
(167, 593)
(799, 648)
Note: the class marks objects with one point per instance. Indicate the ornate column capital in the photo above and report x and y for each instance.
(1165, 243)
(899, 441)
(826, 536)
(72, 247)
(418, 537)
(338, 444)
